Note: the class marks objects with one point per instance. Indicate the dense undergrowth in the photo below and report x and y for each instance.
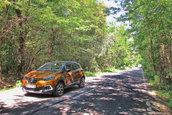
(164, 89)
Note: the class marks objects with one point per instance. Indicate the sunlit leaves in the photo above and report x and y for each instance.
(61, 29)
(151, 23)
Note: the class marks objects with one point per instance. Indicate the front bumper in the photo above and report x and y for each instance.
(39, 90)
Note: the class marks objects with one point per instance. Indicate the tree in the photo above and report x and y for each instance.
(151, 29)
(34, 32)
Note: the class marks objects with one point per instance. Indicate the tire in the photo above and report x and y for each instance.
(82, 82)
(59, 89)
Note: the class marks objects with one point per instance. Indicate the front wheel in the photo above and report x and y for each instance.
(82, 82)
(59, 89)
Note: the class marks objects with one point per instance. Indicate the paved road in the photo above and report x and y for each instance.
(124, 92)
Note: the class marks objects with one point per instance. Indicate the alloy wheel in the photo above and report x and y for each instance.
(59, 89)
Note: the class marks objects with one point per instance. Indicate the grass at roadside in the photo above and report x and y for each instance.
(88, 73)
(8, 88)
(162, 90)
(108, 69)
(165, 94)
(18, 85)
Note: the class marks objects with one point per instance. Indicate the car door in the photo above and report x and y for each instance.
(76, 72)
(68, 74)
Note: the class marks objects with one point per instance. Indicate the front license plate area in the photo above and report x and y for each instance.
(31, 86)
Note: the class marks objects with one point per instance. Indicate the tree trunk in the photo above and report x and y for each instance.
(162, 66)
(21, 54)
(152, 54)
(165, 60)
(0, 60)
(21, 49)
(51, 47)
(168, 54)
(32, 59)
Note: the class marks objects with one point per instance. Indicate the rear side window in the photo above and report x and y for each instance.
(69, 66)
(75, 66)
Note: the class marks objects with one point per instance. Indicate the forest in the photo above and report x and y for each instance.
(33, 32)
(151, 30)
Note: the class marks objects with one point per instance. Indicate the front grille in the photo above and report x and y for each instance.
(34, 89)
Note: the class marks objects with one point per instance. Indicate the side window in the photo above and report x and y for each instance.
(75, 66)
(68, 66)
(78, 66)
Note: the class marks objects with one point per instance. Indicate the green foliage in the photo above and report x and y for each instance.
(36, 32)
(169, 72)
(88, 73)
(150, 28)
(109, 69)
(122, 68)
(18, 83)
(156, 79)
(165, 94)
(120, 54)
(61, 30)
(5, 89)
(170, 104)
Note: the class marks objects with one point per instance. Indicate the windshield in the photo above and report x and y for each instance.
(51, 67)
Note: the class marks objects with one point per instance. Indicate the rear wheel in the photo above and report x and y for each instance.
(82, 82)
(59, 89)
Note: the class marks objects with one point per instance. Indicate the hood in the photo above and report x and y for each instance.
(41, 74)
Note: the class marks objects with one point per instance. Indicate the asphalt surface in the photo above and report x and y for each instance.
(116, 93)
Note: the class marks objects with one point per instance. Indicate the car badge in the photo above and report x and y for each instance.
(32, 80)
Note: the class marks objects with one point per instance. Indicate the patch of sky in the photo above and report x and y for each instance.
(115, 12)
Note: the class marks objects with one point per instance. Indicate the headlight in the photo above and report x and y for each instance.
(24, 77)
(49, 78)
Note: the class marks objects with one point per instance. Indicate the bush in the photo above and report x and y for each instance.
(170, 104)
(109, 69)
(88, 73)
(156, 79)
(18, 83)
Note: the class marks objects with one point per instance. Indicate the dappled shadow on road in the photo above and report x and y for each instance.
(122, 93)
(24, 103)
(125, 93)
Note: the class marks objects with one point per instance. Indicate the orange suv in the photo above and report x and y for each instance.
(53, 78)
